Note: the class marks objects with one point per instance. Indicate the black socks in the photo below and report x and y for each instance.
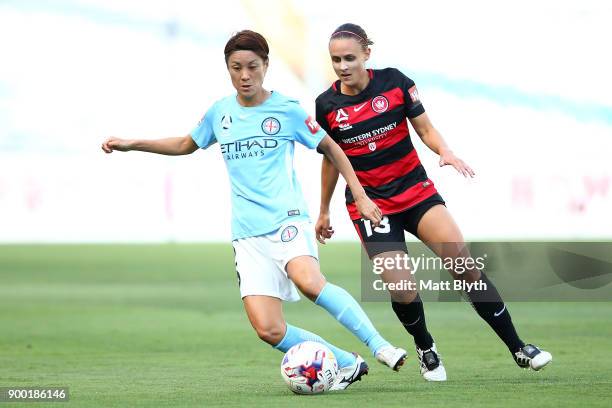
(490, 306)
(412, 317)
(487, 303)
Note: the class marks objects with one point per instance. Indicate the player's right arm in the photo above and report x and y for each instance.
(202, 136)
(329, 179)
(170, 146)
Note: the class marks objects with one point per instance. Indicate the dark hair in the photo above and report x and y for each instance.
(247, 40)
(350, 30)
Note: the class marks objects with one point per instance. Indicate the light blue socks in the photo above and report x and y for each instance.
(340, 304)
(295, 335)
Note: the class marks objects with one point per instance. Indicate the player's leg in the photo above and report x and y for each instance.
(438, 230)
(388, 242)
(304, 271)
(262, 287)
(264, 283)
(266, 317)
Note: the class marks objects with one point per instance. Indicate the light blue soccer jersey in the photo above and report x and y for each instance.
(257, 144)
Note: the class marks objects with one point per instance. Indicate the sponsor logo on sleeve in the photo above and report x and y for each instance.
(312, 124)
(414, 94)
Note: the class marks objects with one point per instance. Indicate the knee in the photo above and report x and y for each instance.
(403, 296)
(311, 285)
(271, 334)
(305, 273)
(469, 276)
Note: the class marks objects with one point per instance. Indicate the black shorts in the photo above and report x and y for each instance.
(389, 236)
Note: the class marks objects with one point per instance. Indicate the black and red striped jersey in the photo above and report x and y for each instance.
(372, 129)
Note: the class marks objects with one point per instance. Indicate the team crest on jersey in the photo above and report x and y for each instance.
(414, 93)
(380, 104)
(289, 233)
(341, 116)
(270, 126)
(372, 146)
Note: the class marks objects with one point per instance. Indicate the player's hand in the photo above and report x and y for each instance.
(323, 230)
(114, 143)
(369, 210)
(447, 157)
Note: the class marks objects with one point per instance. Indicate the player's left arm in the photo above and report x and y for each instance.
(336, 156)
(434, 140)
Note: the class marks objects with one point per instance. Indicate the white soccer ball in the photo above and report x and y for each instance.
(309, 368)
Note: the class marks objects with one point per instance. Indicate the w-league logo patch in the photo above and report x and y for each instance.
(226, 122)
(289, 233)
(341, 116)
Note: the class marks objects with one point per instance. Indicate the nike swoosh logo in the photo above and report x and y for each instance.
(496, 314)
(413, 323)
(358, 108)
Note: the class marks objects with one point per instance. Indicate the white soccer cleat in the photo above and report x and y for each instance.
(392, 357)
(350, 374)
(432, 368)
(529, 356)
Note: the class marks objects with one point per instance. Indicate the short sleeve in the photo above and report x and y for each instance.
(306, 129)
(203, 134)
(321, 117)
(412, 103)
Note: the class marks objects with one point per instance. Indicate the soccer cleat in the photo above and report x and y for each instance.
(350, 374)
(432, 368)
(529, 356)
(393, 357)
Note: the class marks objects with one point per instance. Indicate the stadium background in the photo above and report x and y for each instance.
(520, 90)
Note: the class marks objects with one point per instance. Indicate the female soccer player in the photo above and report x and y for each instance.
(365, 113)
(273, 238)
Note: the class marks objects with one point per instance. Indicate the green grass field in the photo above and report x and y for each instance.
(163, 326)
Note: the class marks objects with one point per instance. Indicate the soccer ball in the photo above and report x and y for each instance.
(309, 368)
